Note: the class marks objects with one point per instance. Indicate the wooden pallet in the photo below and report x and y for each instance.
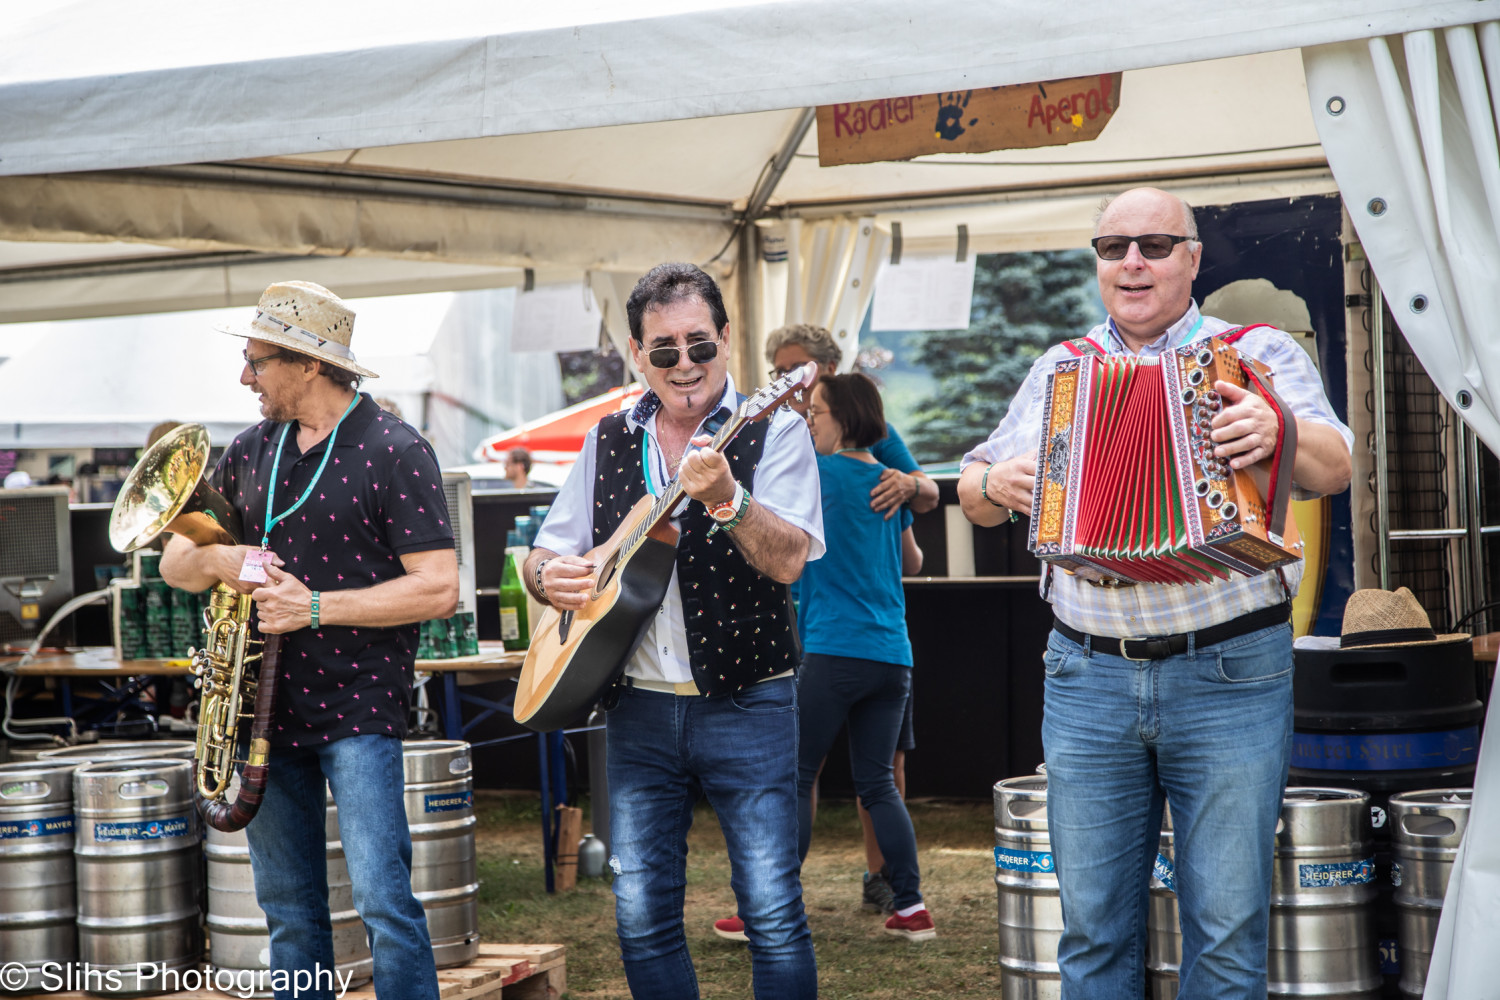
(501, 972)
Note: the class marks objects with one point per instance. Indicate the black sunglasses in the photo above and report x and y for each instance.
(1154, 246)
(699, 354)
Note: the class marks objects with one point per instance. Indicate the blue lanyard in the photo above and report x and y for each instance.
(1193, 332)
(271, 522)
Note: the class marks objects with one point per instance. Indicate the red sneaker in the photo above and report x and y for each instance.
(733, 928)
(917, 927)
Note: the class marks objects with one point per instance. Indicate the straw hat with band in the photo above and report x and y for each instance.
(1382, 618)
(304, 317)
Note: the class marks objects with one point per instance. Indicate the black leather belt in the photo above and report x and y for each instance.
(1159, 647)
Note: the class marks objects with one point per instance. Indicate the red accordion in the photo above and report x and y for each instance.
(1127, 482)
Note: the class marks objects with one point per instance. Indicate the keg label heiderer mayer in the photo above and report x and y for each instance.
(449, 802)
(153, 829)
(1340, 873)
(46, 826)
(1024, 861)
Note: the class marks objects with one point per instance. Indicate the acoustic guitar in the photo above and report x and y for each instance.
(576, 655)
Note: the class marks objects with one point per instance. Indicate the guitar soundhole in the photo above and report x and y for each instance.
(606, 574)
(563, 624)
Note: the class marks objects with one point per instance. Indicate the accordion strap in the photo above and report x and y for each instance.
(1233, 335)
(1084, 347)
(1278, 496)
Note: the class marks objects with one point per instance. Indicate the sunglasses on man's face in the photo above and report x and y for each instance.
(700, 353)
(1154, 246)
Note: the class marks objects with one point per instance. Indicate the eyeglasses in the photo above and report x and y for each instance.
(257, 363)
(700, 353)
(1154, 246)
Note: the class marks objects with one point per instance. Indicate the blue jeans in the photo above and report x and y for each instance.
(1210, 730)
(288, 857)
(872, 696)
(739, 751)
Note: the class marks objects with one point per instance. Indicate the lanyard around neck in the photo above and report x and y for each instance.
(1186, 338)
(271, 522)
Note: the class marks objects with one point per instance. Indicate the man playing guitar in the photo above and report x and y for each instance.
(707, 706)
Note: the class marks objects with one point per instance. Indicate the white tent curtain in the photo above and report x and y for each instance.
(827, 277)
(1408, 124)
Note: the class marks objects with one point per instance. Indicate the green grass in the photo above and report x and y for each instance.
(855, 958)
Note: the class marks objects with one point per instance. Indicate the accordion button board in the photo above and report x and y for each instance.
(1127, 481)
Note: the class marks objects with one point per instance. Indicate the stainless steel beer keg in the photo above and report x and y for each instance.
(1163, 929)
(1026, 891)
(1322, 937)
(92, 753)
(137, 854)
(37, 908)
(444, 868)
(1426, 829)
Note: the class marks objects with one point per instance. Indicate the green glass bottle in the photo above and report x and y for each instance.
(515, 632)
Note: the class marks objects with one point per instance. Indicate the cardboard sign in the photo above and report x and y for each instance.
(968, 121)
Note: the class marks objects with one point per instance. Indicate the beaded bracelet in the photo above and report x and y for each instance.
(541, 590)
(316, 597)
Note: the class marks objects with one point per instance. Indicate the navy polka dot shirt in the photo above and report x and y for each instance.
(379, 498)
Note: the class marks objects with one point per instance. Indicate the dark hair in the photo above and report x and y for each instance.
(668, 283)
(855, 403)
(341, 377)
(521, 455)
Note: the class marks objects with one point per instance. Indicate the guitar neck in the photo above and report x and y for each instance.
(674, 492)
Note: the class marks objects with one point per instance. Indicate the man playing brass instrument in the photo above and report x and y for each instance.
(1156, 691)
(351, 545)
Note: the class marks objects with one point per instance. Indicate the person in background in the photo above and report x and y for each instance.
(1156, 692)
(518, 468)
(902, 481)
(852, 616)
(18, 479)
(350, 545)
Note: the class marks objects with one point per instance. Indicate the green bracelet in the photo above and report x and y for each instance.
(315, 598)
(984, 482)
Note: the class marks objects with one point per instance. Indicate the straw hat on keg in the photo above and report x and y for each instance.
(1381, 618)
(305, 317)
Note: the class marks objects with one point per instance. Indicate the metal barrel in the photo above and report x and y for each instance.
(444, 868)
(37, 909)
(92, 753)
(137, 854)
(1163, 929)
(1026, 891)
(1322, 936)
(238, 936)
(1426, 829)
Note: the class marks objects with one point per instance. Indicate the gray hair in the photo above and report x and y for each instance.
(1189, 223)
(816, 341)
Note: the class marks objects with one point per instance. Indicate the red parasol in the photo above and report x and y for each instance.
(561, 432)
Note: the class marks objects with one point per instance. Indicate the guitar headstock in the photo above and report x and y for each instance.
(766, 399)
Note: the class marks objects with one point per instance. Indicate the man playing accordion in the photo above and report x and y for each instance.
(1200, 712)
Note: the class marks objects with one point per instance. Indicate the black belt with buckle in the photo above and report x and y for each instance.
(1159, 647)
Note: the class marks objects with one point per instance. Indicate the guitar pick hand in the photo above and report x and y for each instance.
(705, 474)
(568, 581)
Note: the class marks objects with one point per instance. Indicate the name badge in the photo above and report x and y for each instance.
(254, 569)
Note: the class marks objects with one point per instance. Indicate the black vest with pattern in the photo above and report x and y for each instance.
(740, 628)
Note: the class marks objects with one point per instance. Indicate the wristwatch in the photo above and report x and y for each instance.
(727, 514)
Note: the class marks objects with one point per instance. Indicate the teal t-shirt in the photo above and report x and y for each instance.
(850, 601)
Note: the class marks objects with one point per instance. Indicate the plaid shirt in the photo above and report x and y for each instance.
(1157, 609)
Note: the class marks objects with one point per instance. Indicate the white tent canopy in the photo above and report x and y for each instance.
(396, 153)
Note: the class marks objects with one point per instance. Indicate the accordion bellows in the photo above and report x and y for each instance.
(1127, 482)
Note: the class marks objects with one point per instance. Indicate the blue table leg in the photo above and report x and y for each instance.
(453, 716)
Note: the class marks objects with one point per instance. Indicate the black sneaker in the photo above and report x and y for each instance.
(878, 897)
